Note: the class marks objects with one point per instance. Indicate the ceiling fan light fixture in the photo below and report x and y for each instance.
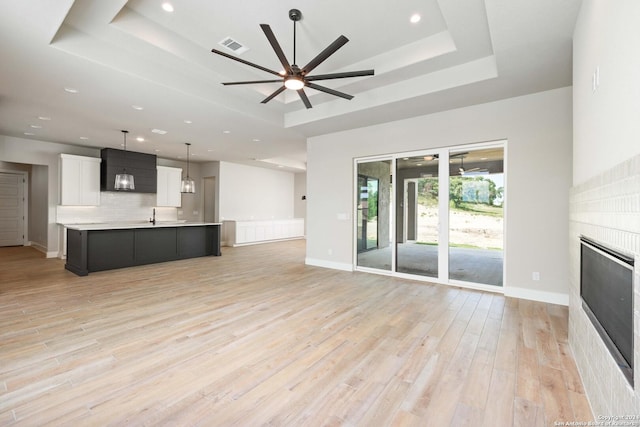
(294, 83)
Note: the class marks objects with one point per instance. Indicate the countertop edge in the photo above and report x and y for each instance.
(116, 226)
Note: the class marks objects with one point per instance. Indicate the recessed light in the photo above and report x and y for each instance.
(159, 131)
(35, 126)
(226, 131)
(137, 107)
(70, 90)
(280, 166)
(140, 139)
(418, 164)
(44, 118)
(84, 138)
(167, 7)
(29, 133)
(415, 18)
(256, 140)
(209, 150)
(188, 122)
(157, 151)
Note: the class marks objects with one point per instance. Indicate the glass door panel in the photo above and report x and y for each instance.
(476, 190)
(417, 224)
(373, 210)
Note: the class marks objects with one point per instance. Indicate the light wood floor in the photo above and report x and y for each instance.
(255, 337)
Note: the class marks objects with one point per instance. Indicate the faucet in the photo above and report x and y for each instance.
(153, 220)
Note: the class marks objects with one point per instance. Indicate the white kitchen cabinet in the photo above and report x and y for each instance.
(238, 233)
(169, 180)
(79, 180)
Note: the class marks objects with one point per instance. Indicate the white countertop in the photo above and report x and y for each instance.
(129, 225)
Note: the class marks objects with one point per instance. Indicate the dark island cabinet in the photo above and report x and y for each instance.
(98, 250)
(156, 245)
(141, 166)
(108, 249)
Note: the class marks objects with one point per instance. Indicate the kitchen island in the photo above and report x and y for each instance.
(98, 247)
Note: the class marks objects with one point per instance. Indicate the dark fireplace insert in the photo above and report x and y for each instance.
(606, 288)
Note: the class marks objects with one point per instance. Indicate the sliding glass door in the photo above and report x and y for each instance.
(446, 207)
(417, 223)
(373, 215)
(476, 200)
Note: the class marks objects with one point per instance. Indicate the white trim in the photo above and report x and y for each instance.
(535, 295)
(42, 248)
(328, 264)
(260, 242)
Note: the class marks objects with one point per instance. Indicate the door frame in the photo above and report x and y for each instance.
(443, 212)
(25, 203)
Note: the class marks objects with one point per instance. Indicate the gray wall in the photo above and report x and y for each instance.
(538, 161)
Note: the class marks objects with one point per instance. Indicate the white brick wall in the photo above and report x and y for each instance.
(116, 207)
(607, 209)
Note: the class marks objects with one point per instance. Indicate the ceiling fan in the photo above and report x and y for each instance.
(293, 77)
(472, 171)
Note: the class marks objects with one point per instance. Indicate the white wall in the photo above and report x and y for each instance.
(300, 190)
(539, 133)
(606, 121)
(248, 192)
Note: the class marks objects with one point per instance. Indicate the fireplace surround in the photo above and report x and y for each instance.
(607, 209)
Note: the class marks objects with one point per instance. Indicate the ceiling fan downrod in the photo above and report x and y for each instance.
(295, 15)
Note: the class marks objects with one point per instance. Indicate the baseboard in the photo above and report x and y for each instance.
(328, 264)
(534, 295)
(260, 242)
(43, 249)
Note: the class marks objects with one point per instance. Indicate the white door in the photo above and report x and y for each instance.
(11, 209)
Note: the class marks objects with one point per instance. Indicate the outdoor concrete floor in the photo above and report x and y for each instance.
(465, 264)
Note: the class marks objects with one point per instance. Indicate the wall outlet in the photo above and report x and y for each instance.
(535, 275)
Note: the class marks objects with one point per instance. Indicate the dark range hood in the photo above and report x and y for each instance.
(141, 166)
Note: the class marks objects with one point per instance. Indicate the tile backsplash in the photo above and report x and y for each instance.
(116, 207)
(607, 209)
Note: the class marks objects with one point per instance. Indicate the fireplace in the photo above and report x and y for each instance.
(606, 289)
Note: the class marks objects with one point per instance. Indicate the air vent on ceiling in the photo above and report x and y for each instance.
(233, 45)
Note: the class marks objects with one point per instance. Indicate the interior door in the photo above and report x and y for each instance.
(11, 209)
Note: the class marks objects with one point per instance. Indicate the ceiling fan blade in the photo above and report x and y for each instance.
(329, 91)
(340, 75)
(322, 56)
(276, 47)
(273, 95)
(252, 82)
(251, 64)
(304, 98)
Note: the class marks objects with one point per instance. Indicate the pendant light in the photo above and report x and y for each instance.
(188, 185)
(124, 180)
